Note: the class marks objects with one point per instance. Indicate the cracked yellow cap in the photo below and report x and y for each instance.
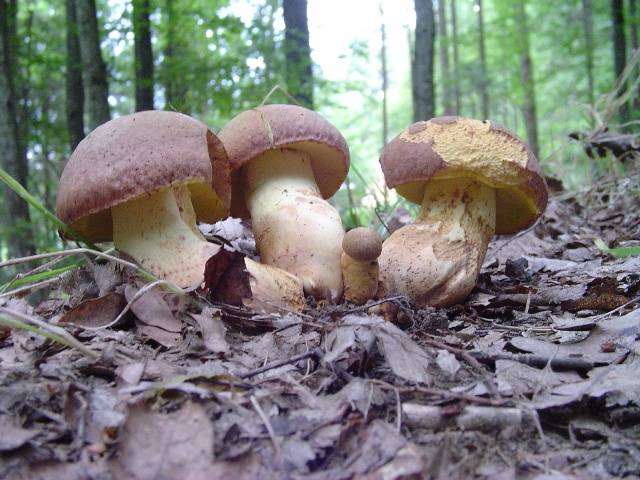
(450, 147)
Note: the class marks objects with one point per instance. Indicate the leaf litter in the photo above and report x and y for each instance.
(535, 375)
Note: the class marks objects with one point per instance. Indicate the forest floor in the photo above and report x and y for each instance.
(536, 375)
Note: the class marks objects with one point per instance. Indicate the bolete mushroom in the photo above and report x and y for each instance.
(286, 160)
(473, 179)
(361, 249)
(143, 180)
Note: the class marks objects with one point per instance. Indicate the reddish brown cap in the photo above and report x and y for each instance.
(138, 154)
(362, 243)
(268, 127)
(445, 147)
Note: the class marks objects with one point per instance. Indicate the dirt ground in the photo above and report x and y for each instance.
(535, 375)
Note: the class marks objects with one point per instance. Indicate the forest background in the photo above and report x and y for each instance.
(542, 68)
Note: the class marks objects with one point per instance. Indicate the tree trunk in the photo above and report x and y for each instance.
(75, 92)
(619, 51)
(526, 77)
(633, 23)
(422, 65)
(456, 58)
(445, 75)
(384, 77)
(143, 55)
(587, 23)
(299, 74)
(484, 80)
(96, 87)
(12, 153)
(175, 91)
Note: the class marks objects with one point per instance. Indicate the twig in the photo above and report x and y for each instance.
(56, 333)
(455, 395)
(268, 426)
(273, 90)
(296, 358)
(538, 361)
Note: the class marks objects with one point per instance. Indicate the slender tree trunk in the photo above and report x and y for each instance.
(12, 154)
(587, 23)
(175, 91)
(422, 65)
(456, 57)
(526, 77)
(299, 73)
(619, 51)
(445, 77)
(143, 55)
(384, 77)
(484, 80)
(633, 23)
(96, 87)
(75, 92)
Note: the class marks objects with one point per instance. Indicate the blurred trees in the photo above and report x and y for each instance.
(507, 60)
(422, 66)
(297, 51)
(94, 69)
(143, 55)
(12, 147)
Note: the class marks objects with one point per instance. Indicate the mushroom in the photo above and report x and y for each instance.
(361, 249)
(286, 160)
(473, 179)
(143, 180)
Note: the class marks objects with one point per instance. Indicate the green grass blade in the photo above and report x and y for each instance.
(40, 276)
(22, 192)
(618, 251)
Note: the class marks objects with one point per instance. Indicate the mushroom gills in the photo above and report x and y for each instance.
(436, 260)
(295, 228)
(160, 232)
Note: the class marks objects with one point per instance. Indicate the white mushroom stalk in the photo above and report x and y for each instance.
(295, 228)
(160, 232)
(436, 260)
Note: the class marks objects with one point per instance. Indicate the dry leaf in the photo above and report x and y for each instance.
(96, 312)
(154, 316)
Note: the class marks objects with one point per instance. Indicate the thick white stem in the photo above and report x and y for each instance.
(160, 232)
(436, 260)
(295, 228)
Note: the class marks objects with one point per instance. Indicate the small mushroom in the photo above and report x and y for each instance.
(143, 180)
(286, 160)
(473, 179)
(361, 249)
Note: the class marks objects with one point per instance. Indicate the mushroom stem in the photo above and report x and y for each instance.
(160, 232)
(295, 228)
(436, 260)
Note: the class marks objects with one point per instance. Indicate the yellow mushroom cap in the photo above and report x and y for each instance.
(449, 147)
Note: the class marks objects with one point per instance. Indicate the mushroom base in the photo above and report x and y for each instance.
(295, 228)
(360, 279)
(160, 232)
(436, 260)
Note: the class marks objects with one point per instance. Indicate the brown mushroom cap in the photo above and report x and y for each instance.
(447, 147)
(269, 127)
(139, 154)
(362, 244)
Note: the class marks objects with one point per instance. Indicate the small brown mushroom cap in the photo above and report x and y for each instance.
(270, 127)
(447, 147)
(136, 155)
(362, 244)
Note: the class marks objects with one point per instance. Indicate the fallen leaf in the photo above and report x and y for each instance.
(13, 436)
(96, 312)
(154, 316)
(213, 330)
(164, 445)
